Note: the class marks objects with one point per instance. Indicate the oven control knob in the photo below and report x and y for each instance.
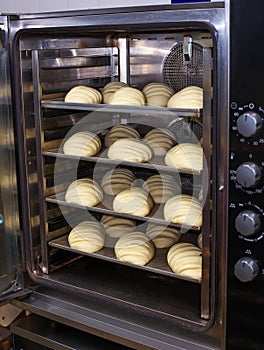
(249, 124)
(248, 174)
(246, 269)
(248, 223)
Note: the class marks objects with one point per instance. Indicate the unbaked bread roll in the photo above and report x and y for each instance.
(134, 248)
(157, 94)
(162, 187)
(83, 143)
(185, 259)
(121, 131)
(134, 201)
(183, 209)
(117, 227)
(130, 150)
(128, 96)
(110, 88)
(186, 156)
(200, 240)
(88, 236)
(163, 236)
(189, 97)
(84, 192)
(117, 180)
(83, 94)
(160, 140)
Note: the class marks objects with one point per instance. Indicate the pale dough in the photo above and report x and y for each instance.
(189, 97)
(185, 259)
(186, 156)
(160, 140)
(88, 236)
(83, 143)
(83, 94)
(163, 236)
(84, 192)
(134, 248)
(117, 180)
(120, 131)
(117, 227)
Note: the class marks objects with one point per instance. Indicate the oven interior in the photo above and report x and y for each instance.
(50, 65)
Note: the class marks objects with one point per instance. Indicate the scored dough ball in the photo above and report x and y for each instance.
(83, 94)
(131, 150)
(84, 192)
(185, 155)
(134, 201)
(88, 236)
(157, 94)
(120, 131)
(134, 248)
(185, 259)
(183, 209)
(117, 227)
(117, 180)
(128, 96)
(200, 240)
(189, 97)
(163, 236)
(162, 187)
(160, 140)
(83, 143)
(110, 88)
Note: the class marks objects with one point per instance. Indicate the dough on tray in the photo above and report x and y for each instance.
(131, 150)
(162, 187)
(110, 88)
(135, 201)
(117, 180)
(117, 227)
(88, 236)
(183, 209)
(189, 97)
(157, 94)
(83, 94)
(84, 192)
(83, 143)
(134, 248)
(128, 96)
(186, 156)
(163, 236)
(120, 131)
(160, 140)
(185, 259)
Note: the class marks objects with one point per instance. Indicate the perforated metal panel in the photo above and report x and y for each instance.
(177, 73)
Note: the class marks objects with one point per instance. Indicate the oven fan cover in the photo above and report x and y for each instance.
(179, 73)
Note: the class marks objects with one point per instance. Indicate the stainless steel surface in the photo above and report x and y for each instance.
(10, 260)
(82, 51)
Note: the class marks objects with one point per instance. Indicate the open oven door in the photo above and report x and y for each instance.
(11, 271)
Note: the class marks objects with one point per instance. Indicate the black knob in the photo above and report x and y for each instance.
(246, 269)
(249, 124)
(248, 223)
(248, 174)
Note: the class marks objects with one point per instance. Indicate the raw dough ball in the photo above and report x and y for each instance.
(185, 259)
(186, 156)
(183, 209)
(109, 90)
(84, 192)
(83, 143)
(134, 248)
(189, 97)
(163, 236)
(157, 94)
(117, 227)
(83, 94)
(160, 140)
(162, 187)
(134, 201)
(130, 150)
(117, 180)
(121, 131)
(128, 96)
(88, 236)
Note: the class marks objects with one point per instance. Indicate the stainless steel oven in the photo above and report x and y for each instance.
(215, 47)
